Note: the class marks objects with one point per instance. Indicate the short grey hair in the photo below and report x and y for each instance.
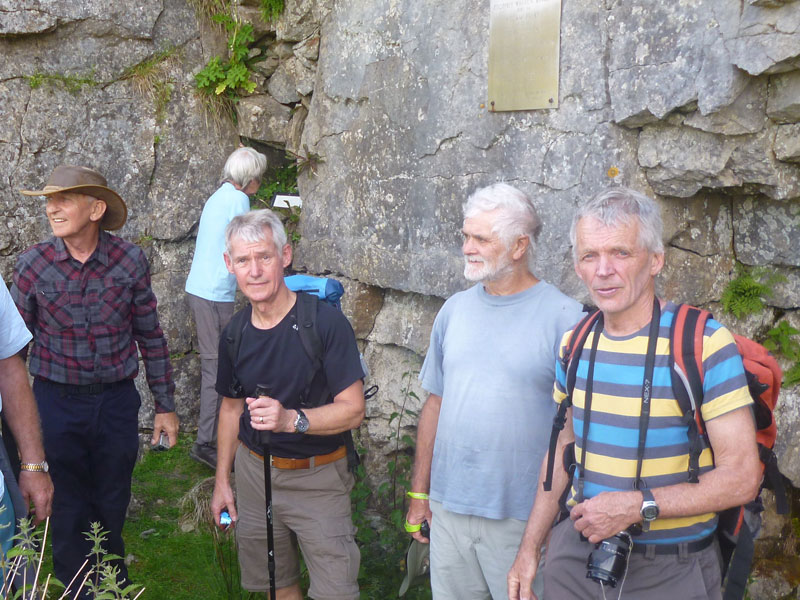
(251, 227)
(243, 166)
(516, 217)
(617, 206)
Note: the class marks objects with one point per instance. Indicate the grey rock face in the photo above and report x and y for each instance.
(767, 39)
(787, 143)
(769, 235)
(784, 98)
(263, 118)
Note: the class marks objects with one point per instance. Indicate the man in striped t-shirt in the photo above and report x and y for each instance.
(632, 473)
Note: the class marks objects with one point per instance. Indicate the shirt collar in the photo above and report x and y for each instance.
(100, 253)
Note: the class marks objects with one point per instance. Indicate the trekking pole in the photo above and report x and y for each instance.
(264, 436)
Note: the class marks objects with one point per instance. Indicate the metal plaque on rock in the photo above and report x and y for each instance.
(524, 39)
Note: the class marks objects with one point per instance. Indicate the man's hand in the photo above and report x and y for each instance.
(168, 423)
(36, 487)
(419, 511)
(606, 514)
(523, 571)
(267, 414)
(222, 499)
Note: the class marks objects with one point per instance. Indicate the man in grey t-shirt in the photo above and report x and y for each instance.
(485, 425)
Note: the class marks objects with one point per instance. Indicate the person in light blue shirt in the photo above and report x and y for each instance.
(485, 426)
(211, 288)
(22, 417)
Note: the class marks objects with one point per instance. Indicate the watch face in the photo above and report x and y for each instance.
(301, 426)
(649, 511)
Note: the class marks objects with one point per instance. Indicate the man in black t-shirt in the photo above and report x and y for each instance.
(310, 480)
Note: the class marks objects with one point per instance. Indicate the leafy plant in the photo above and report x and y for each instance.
(383, 540)
(745, 294)
(271, 10)
(230, 77)
(781, 340)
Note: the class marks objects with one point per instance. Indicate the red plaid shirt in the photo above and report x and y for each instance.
(87, 318)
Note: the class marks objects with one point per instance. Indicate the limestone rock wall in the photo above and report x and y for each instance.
(385, 104)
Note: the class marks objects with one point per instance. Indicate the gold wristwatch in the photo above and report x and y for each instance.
(40, 467)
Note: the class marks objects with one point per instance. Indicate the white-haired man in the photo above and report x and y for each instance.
(632, 443)
(484, 427)
(309, 473)
(211, 289)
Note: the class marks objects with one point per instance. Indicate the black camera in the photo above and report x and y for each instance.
(609, 559)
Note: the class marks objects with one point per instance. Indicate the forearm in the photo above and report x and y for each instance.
(227, 436)
(346, 412)
(19, 409)
(426, 438)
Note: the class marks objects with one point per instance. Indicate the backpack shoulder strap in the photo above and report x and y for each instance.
(307, 306)
(233, 340)
(686, 370)
(575, 344)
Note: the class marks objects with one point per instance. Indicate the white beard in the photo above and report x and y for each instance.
(484, 271)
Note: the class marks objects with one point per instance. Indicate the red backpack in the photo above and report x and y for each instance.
(739, 525)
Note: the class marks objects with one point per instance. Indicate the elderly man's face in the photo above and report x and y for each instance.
(617, 270)
(71, 215)
(258, 266)
(485, 255)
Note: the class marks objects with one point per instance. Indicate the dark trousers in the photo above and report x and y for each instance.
(91, 442)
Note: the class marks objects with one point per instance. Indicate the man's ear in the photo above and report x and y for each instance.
(656, 263)
(98, 210)
(228, 263)
(520, 247)
(286, 255)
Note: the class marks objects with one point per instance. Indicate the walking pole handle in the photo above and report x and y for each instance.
(263, 389)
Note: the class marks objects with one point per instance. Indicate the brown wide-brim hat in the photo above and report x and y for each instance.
(83, 180)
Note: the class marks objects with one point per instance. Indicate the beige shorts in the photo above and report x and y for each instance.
(311, 510)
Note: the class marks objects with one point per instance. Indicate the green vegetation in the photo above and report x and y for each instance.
(177, 554)
(745, 294)
(151, 78)
(271, 10)
(72, 83)
(230, 77)
(281, 181)
(782, 340)
(383, 539)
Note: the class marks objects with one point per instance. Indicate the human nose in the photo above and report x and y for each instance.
(468, 246)
(605, 266)
(254, 268)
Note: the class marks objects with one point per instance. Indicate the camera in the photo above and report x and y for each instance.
(609, 559)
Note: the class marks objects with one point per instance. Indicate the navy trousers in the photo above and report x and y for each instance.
(91, 442)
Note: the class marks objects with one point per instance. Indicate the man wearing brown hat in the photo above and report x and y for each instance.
(85, 295)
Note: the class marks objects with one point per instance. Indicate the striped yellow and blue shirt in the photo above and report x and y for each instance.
(613, 438)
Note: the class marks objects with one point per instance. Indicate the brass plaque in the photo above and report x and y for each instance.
(524, 40)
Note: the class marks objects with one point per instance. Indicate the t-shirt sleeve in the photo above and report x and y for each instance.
(725, 383)
(341, 360)
(560, 383)
(14, 336)
(432, 374)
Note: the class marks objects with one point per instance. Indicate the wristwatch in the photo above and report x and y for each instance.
(301, 422)
(649, 509)
(41, 467)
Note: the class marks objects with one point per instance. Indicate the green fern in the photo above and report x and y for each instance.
(271, 10)
(745, 294)
(780, 340)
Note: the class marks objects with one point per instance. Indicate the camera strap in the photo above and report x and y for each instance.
(647, 392)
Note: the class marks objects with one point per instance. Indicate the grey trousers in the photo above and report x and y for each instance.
(210, 318)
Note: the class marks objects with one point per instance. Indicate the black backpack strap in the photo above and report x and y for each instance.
(233, 340)
(774, 479)
(307, 307)
(686, 370)
(740, 564)
(574, 347)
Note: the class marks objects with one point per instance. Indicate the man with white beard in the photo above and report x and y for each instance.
(486, 423)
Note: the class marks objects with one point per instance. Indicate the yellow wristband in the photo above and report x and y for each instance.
(411, 528)
(417, 496)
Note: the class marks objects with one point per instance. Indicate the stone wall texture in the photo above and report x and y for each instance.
(696, 103)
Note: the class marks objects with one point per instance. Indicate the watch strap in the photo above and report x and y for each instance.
(40, 467)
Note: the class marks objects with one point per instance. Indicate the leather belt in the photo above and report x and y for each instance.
(304, 463)
(691, 547)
